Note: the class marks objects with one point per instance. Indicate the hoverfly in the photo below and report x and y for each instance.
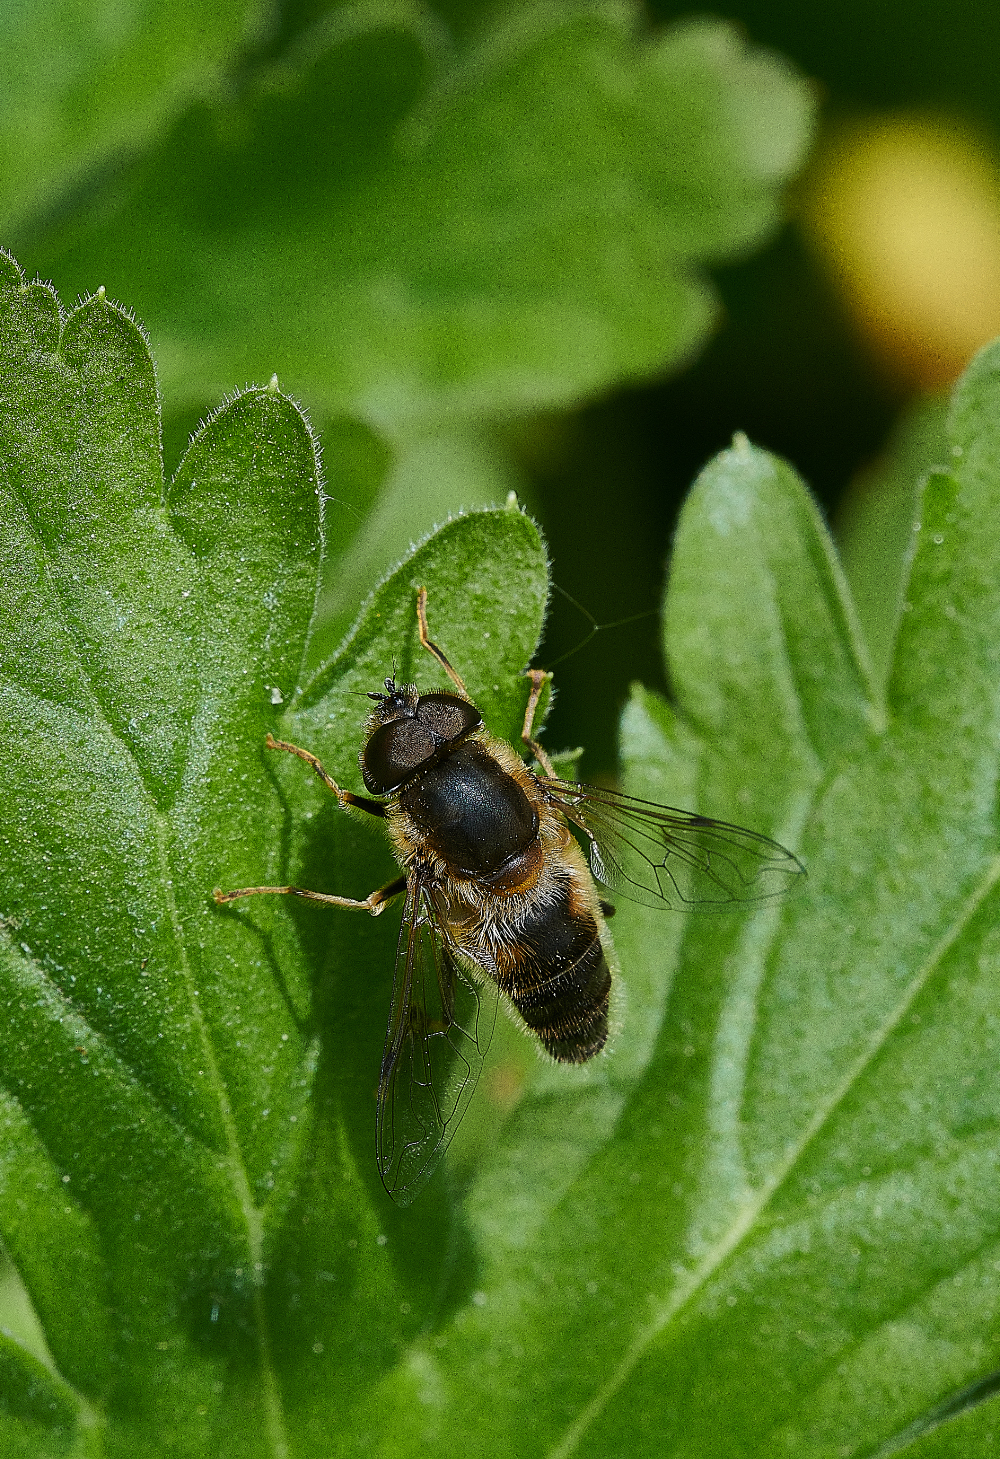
(498, 891)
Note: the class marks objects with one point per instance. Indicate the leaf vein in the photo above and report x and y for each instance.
(239, 1178)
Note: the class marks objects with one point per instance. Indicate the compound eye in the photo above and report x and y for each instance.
(447, 716)
(393, 753)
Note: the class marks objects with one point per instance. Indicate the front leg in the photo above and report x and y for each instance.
(345, 797)
(539, 678)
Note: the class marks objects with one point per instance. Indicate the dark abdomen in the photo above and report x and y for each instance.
(558, 977)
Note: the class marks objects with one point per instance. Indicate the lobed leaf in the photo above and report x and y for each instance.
(179, 1127)
(446, 235)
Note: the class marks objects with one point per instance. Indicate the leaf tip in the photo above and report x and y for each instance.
(10, 266)
(272, 385)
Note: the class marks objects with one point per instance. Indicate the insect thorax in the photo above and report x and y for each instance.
(469, 811)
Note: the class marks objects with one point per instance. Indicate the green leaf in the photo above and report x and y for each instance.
(968, 1424)
(140, 630)
(187, 1181)
(875, 523)
(448, 235)
(84, 84)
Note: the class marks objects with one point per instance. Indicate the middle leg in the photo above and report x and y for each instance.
(375, 902)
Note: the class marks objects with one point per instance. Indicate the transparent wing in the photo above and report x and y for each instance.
(439, 1032)
(664, 857)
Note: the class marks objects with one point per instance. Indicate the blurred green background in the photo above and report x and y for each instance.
(230, 171)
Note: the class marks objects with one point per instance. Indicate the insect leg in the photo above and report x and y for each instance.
(539, 678)
(375, 902)
(433, 648)
(346, 797)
